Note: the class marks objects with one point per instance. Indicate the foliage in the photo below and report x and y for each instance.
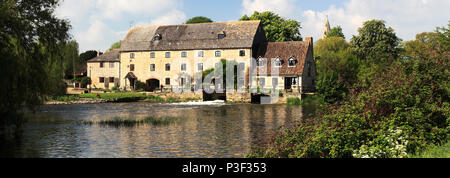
(400, 112)
(85, 81)
(140, 86)
(112, 95)
(87, 55)
(337, 68)
(30, 64)
(115, 45)
(276, 27)
(336, 32)
(293, 101)
(132, 122)
(434, 151)
(198, 19)
(375, 43)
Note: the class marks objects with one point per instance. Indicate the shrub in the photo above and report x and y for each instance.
(140, 86)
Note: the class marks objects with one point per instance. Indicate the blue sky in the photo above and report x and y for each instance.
(96, 24)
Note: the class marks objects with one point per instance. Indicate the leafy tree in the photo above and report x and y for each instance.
(30, 35)
(428, 44)
(375, 43)
(198, 19)
(336, 67)
(87, 55)
(336, 32)
(115, 45)
(276, 27)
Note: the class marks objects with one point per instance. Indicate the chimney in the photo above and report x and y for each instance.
(98, 53)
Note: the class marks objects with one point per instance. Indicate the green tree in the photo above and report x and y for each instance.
(336, 32)
(30, 35)
(336, 67)
(375, 42)
(87, 55)
(115, 45)
(276, 27)
(198, 19)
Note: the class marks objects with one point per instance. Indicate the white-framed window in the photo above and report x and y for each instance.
(152, 55)
(260, 62)
(292, 62)
(278, 62)
(184, 54)
(218, 53)
(200, 54)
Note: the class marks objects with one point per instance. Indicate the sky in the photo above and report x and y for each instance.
(96, 24)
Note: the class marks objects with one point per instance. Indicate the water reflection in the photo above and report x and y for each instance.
(216, 130)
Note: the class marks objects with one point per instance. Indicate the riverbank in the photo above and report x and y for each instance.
(91, 98)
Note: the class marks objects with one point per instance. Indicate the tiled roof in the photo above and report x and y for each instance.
(271, 51)
(110, 56)
(239, 34)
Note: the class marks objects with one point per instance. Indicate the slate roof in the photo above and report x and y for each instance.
(110, 56)
(297, 50)
(239, 34)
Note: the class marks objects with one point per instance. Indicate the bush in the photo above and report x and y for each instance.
(85, 81)
(293, 101)
(140, 86)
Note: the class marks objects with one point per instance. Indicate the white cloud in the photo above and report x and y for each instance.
(407, 17)
(99, 23)
(283, 7)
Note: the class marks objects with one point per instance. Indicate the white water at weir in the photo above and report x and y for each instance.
(198, 103)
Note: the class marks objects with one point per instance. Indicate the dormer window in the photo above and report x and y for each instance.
(292, 62)
(260, 62)
(278, 62)
(157, 37)
(221, 35)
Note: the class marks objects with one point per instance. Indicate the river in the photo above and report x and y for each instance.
(203, 129)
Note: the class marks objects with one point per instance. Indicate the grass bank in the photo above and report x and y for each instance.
(434, 151)
(313, 99)
(123, 97)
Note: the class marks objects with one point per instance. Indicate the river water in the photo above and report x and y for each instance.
(201, 129)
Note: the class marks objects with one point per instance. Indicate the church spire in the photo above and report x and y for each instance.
(326, 29)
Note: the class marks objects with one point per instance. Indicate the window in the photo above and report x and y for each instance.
(157, 37)
(152, 67)
(101, 64)
(132, 55)
(274, 82)
(278, 62)
(111, 65)
(200, 54)
(242, 53)
(260, 62)
(131, 67)
(292, 62)
(221, 36)
(183, 81)
(167, 54)
(200, 66)
(152, 55)
(218, 54)
(262, 82)
(111, 79)
(183, 67)
(184, 54)
(101, 79)
(167, 67)
(167, 81)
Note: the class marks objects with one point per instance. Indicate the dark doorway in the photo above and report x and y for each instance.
(152, 85)
(288, 83)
